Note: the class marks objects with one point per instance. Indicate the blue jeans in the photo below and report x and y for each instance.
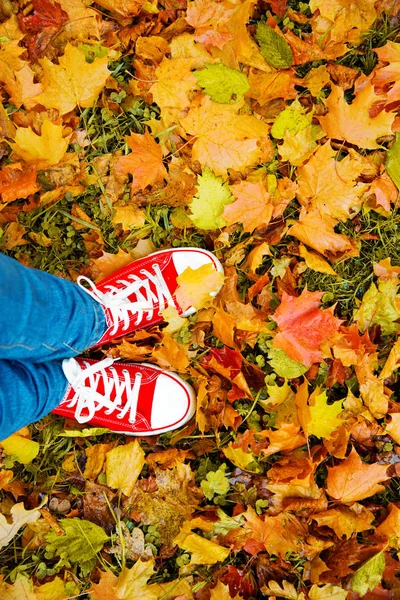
(43, 319)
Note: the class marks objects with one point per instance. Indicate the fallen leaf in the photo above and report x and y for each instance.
(203, 551)
(369, 575)
(346, 520)
(197, 287)
(380, 305)
(46, 149)
(315, 262)
(225, 139)
(23, 449)
(221, 592)
(123, 466)
(389, 529)
(252, 206)
(144, 163)
(209, 201)
(352, 480)
(302, 326)
(327, 592)
(73, 82)
(20, 517)
(352, 122)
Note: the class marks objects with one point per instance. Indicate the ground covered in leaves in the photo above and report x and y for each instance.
(267, 133)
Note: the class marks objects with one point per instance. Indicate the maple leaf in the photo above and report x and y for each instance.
(389, 529)
(386, 79)
(302, 326)
(269, 86)
(18, 181)
(221, 592)
(123, 466)
(346, 520)
(321, 419)
(315, 262)
(225, 139)
(392, 163)
(196, 287)
(329, 185)
(83, 21)
(380, 305)
(209, 202)
(327, 592)
(352, 122)
(131, 583)
(252, 206)
(202, 550)
(318, 232)
(46, 149)
(73, 82)
(24, 449)
(353, 480)
(287, 590)
(369, 575)
(171, 355)
(125, 8)
(144, 163)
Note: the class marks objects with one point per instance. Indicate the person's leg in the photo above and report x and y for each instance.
(43, 317)
(28, 392)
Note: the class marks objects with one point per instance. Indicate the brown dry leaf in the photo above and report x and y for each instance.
(173, 501)
(252, 206)
(346, 520)
(123, 466)
(352, 122)
(225, 139)
(352, 480)
(144, 163)
(73, 82)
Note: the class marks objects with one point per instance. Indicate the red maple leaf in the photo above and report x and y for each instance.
(303, 326)
(45, 14)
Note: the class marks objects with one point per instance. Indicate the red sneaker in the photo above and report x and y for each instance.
(134, 399)
(133, 297)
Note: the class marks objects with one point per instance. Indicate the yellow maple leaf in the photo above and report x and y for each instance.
(83, 21)
(175, 81)
(226, 139)
(196, 287)
(202, 550)
(352, 122)
(73, 82)
(221, 592)
(24, 449)
(24, 89)
(123, 466)
(253, 205)
(346, 520)
(125, 8)
(324, 417)
(316, 262)
(131, 583)
(46, 149)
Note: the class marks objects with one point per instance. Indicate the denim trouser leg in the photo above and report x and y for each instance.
(43, 319)
(28, 391)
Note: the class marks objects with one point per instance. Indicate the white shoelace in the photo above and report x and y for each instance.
(87, 398)
(117, 299)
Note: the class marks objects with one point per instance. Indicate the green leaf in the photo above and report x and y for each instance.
(216, 482)
(392, 163)
(379, 306)
(80, 544)
(86, 432)
(285, 366)
(291, 119)
(369, 575)
(273, 47)
(223, 84)
(209, 202)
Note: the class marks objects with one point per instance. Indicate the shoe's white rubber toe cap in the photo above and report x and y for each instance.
(174, 403)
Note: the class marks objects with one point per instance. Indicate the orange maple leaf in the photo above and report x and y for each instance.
(144, 163)
(353, 480)
(318, 232)
(352, 122)
(329, 185)
(302, 326)
(17, 181)
(387, 78)
(253, 205)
